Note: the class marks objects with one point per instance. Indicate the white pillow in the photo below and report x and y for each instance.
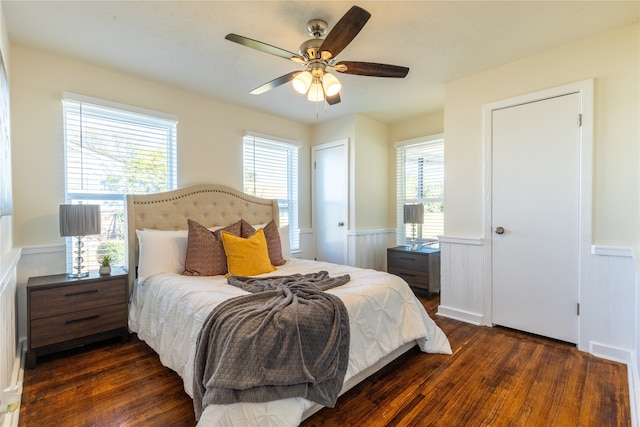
(161, 252)
(284, 241)
(284, 238)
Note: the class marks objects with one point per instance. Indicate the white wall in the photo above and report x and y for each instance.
(209, 134)
(371, 191)
(613, 61)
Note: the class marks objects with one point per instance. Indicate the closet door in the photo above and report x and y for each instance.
(535, 216)
(330, 178)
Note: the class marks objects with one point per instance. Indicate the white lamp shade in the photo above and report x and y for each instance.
(79, 220)
(315, 93)
(331, 84)
(302, 82)
(413, 214)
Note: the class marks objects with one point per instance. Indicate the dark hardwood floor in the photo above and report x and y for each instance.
(496, 377)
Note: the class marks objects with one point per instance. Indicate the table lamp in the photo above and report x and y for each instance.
(413, 214)
(79, 221)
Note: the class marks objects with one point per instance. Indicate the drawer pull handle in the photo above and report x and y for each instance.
(82, 319)
(407, 274)
(407, 259)
(73, 294)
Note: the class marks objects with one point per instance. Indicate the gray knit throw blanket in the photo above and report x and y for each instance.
(288, 338)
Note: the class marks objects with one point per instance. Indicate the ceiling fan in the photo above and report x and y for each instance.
(318, 56)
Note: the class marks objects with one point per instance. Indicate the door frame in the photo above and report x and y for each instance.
(344, 142)
(585, 90)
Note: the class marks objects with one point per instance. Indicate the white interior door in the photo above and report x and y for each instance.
(535, 207)
(330, 201)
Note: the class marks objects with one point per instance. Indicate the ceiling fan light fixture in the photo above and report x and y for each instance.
(315, 94)
(302, 82)
(331, 84)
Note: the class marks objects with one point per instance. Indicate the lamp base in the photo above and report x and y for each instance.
(414, 243)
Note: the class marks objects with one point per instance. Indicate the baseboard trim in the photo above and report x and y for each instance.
(615, 354)
(461, 315)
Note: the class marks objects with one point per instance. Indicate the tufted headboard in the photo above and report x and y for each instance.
(209, 204)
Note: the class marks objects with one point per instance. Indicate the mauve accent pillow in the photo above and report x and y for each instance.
(272, 234)
(246, 229)
(205, 251)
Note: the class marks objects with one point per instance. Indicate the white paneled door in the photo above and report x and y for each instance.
(535, 216)
(330, 177)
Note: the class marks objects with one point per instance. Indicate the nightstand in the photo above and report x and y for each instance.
(63, 312)
(420, 267)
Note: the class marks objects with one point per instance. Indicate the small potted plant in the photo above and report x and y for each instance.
(105, 266)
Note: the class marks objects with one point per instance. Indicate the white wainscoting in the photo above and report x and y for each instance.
(368, 248)
(365, 248)
(462, 278)
(611, 316)
(307, 246)
(608, 301)
(10, 349)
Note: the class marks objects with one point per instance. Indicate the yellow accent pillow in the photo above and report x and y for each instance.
(247, 257)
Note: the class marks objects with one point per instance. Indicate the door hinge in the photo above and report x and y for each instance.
(579, 120)
(314, 165)
(578, 309)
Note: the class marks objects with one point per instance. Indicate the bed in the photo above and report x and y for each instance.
(167, 309)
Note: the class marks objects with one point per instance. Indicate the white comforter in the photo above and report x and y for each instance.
(168, 310)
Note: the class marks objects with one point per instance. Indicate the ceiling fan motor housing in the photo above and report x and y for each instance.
(310, 49)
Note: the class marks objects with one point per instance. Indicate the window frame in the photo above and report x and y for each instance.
(98, 109)
(292, 169)
(403, 231)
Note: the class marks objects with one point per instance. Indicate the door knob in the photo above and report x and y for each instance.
(341, 224)
(499, 230)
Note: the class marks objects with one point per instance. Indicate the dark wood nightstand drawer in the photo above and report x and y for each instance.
(419, 267)
(408, 261)
(55, 329)
(413, 278)
(76, 297)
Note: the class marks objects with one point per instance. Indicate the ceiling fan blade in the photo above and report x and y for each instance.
(275, 83)
(333, 99)
(345, 30)
(264, 47)
(371, 69)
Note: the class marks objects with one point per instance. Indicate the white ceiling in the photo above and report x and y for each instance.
(182, 44)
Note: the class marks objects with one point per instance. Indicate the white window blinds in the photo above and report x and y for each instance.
(112, 150)
(420, 179)
(270, 168)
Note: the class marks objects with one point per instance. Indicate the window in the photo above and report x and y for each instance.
(271, 171)
(420, 179)
(112, 150)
